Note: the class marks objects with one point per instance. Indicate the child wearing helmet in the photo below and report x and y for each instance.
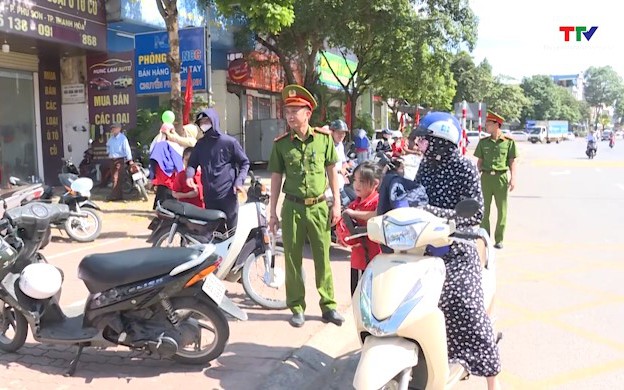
(366, 181)
(448, 177)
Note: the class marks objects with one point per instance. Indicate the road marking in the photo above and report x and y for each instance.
(86, 247)
(560, 173)
(580, 374)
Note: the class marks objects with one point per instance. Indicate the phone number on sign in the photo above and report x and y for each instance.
(22, 25)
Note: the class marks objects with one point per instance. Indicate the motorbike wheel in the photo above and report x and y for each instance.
(259, 291)
(11, 318)
(178, 241)
(127, 186)
(143, 192)
(191, 310)
(73, 226)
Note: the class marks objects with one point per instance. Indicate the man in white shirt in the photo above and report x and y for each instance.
(339, 131)
(591, 137)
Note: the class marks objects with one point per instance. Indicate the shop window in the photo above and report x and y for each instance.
(17, 125)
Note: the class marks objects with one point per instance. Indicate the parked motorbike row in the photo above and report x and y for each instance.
(135, 179)
(161, 300)
(250, 253)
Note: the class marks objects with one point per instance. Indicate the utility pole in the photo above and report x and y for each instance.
(208, 57)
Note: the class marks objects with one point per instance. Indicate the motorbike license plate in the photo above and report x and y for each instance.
(137, 176)
(214, 288)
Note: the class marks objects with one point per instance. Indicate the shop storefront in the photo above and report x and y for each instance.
(35, 36)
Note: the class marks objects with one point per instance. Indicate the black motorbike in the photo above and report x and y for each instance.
(592, 148)
(155, 300)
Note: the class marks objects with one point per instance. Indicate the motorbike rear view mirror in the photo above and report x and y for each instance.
(467, 208)
(90, 141)
(69, 148)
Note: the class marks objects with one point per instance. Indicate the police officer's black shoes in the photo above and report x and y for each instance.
(297, 320)
(333, 317)
(498, 245)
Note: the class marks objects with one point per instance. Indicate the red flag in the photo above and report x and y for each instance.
(348, 118)
(188, 97)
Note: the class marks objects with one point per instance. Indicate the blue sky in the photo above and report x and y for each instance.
(522, 38)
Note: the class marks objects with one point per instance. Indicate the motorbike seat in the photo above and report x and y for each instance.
(193, 212)
(104, 271)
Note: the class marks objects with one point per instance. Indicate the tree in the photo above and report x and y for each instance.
(602, 87)
(296, 41)
(276, 14)
(474, 83)
(542, 93)
(169, 11)
(569, 107)
(506, 100)
(382, 53)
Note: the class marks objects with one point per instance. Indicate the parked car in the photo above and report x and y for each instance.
(123, 82)
(99, 83)
(569, 136)
(619, 134)
(606, 135)
(519, 136)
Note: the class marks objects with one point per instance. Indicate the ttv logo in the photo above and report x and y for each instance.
(580, 30)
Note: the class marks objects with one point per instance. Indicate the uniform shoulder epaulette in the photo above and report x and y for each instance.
(322, 130)
(281, 136)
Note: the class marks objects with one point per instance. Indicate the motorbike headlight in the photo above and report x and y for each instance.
(402, 237)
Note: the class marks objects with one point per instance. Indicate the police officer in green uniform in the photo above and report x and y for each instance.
(497, 160)
(305, 157)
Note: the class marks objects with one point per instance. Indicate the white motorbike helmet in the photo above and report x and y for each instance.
(40, 280)
(439, 124)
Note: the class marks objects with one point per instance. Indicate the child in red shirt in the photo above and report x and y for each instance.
(367, 177)
(184, 193)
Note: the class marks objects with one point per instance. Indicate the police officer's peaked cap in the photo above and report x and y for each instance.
(296, 95)
(492, 116)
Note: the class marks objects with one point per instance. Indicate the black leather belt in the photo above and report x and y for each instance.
(305, 201)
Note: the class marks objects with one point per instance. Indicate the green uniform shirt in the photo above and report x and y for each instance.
(303, 162)
(496, 154)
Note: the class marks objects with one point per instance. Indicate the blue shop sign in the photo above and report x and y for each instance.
(152, 72)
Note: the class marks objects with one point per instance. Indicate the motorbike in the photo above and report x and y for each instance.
(25, 193)
(88, 167)
(249, 251)
(153, 300)
(592, 148)
(84, 223)
(395, 305)
(136, 179)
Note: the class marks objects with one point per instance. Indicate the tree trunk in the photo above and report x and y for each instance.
(173, 59)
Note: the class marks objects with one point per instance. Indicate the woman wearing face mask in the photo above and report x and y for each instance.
(224, 166)
(449, 178)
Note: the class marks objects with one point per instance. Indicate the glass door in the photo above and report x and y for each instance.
(17, 125)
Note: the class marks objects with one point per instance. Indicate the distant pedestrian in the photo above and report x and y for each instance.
(119, 152)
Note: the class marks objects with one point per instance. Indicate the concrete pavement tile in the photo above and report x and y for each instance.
(537, 351)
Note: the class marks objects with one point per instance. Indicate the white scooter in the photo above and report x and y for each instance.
(396, 302)
(249, 252)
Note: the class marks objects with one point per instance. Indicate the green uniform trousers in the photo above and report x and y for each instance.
(496, 186)
(298, 223)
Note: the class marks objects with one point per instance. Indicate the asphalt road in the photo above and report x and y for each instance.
(561, 292)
